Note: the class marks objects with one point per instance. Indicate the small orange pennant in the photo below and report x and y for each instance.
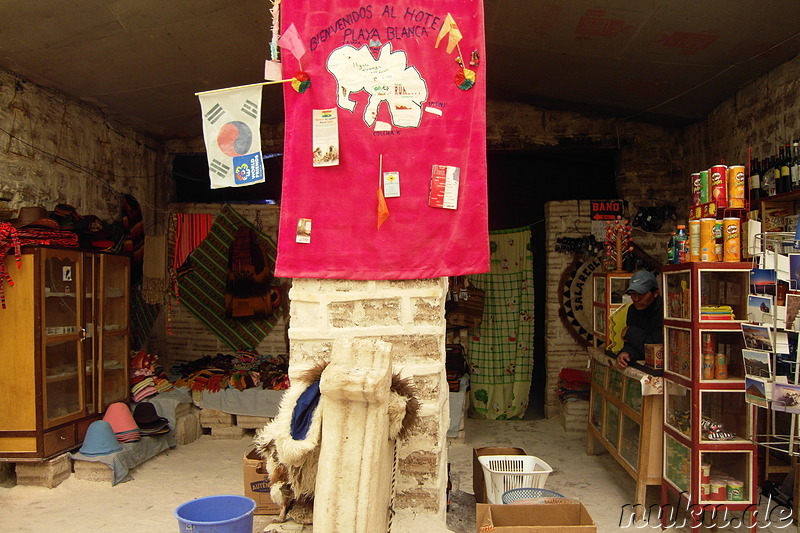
(383, 211)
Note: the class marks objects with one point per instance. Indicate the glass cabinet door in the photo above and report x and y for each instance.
(599, 288)
(61, 336)
(114, 334)
(678, 351)
(629, 441)
(88, 342)
(677, 295)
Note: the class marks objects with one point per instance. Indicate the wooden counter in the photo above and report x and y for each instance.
(626, 416)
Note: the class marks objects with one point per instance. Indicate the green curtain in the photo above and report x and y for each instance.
(501, 348)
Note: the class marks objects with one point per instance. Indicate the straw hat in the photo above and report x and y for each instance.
(34, 217)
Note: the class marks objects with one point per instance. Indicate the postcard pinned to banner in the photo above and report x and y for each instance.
(325, 137)
(444, 187)
(391, 184)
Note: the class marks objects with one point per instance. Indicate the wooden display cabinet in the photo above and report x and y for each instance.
(707, 423)
(608, 295)
(625, 421)
(65, 338)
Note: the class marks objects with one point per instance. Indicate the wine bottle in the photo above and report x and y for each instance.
(755, 182)
(762, 169)
(775, 172)
(794, 166)
(784, 158)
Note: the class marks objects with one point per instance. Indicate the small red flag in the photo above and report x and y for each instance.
(383, 211)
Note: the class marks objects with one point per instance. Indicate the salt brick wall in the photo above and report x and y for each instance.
(762, 115)
(54, 135)
(409, 315)
(567, 218)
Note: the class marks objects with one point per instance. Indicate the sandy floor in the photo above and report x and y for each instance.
(208, 467)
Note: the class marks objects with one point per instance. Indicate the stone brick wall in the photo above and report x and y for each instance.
(409, 316)
(568, 218)
(762, 115)
(54, 149)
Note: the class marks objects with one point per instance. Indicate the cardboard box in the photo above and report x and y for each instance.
(569, 517)
(654, 355)
(478, 482)
(256, 483)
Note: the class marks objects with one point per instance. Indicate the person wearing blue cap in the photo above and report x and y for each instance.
(643, 323)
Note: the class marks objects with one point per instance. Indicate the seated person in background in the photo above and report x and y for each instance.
(643, 324)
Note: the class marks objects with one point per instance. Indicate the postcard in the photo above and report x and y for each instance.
(785, 367)
(756, 391)
(762, 281)
(794, 271)
(757, 364)
(792, 311)
(786, 397)
(757, 337)
(760, 309)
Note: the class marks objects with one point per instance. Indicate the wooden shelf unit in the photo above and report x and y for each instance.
(693, 399)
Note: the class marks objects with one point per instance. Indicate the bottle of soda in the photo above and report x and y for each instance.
(681, 248)
(671, 250)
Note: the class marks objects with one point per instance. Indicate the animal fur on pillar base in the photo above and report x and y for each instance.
(355, 469)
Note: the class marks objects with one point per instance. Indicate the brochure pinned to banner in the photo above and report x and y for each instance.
(232, 133)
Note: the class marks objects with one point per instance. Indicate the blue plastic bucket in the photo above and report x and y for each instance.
(216, 514)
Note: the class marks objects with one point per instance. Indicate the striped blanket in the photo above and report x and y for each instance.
(202, 286)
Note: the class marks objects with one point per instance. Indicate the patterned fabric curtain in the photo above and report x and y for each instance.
(501, 348)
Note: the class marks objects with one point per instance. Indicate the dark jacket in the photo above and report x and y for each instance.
(644, 327)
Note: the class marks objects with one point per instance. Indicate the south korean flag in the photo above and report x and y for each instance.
(232, 133)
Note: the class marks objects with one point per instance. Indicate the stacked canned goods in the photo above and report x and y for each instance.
(714, 233)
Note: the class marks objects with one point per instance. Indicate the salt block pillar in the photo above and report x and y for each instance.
(355, 463)
(348, 324)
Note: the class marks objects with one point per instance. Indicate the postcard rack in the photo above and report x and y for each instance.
(781, 404)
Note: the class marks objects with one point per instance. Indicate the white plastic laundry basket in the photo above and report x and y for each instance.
(505, 472)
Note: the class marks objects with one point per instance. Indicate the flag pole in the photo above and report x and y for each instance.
(244, 86)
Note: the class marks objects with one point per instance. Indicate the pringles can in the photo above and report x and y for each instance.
(708, 244)
(732, 234)
(697, 189)
(705, 189)
(736, 192)
(694, 240)
(718, 241)
(718, 179)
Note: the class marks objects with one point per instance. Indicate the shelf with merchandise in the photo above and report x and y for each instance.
(707, 419)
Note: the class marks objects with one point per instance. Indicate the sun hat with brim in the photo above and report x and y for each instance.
(642, 282)
(34, 217)
(100, 440)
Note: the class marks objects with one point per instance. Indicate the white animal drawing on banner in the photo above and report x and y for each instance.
(386, 79)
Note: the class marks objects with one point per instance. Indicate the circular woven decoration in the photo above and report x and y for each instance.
(301, 81)
(465, 79)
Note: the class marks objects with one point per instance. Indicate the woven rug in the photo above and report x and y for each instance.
(202, 287)
(143, 317)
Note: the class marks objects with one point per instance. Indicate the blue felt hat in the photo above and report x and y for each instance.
(100, 439)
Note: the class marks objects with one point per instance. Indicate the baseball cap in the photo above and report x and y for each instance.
(642, 281)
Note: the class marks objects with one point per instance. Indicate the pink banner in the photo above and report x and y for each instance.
(385, 153)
